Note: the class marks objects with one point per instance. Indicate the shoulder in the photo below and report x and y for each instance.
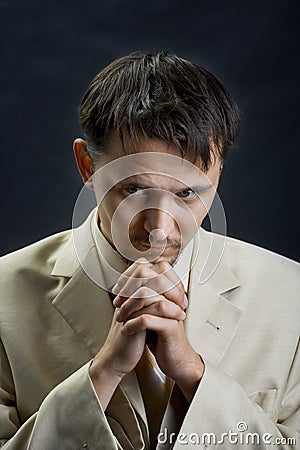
(252, 257)
(254, 264)
(41, 251)
(38, 257)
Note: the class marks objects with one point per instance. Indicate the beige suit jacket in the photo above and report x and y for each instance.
(243, 321)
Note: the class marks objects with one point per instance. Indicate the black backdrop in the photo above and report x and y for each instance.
(50, 51)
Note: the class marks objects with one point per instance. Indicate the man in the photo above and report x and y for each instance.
(140, 330)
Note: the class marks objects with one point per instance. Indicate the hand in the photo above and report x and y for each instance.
(160, 277)
(121, 352)
(118, 356)
(159, 308)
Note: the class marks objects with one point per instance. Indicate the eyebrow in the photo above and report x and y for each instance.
(200, 187)
(196, 188)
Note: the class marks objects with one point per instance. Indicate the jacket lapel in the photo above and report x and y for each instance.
(211, 323)
(87, 308)
(83, 303)
(212, 320)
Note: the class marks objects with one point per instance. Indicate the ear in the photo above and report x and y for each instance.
(84, 162)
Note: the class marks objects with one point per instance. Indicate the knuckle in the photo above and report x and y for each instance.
(157, 283)
(148, 291)
(144, 320)
(163, 266)
(125, 307)
(125, 291)
(170, 284)
(166, 268)
(124, 328)
(144, 292)
(144, 272)
(181, 314)
(162, 307)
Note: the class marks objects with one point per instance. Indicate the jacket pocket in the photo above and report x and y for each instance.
(265, 399)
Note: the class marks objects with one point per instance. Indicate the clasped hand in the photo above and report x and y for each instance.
(150, 297)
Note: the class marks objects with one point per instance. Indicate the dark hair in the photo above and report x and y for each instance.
(159, 96)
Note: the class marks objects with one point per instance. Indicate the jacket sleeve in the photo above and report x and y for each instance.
(221, 415)
(69, 418)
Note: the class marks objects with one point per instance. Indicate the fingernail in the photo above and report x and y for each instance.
(185, 303)
(116, 301)
(115, 289)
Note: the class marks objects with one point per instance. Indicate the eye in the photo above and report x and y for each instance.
(134, 190)
(187, 194)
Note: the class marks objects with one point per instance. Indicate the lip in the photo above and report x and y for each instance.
(152, 247)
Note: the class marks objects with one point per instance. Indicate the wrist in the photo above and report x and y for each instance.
(104, 380)
(190, 378)
(101, 369)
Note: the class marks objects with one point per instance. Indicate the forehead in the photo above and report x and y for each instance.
(153, 159)
(117, 148)
(153, 169)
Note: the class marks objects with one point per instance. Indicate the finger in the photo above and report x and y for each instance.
(160, 277)
(164, 268)
(128, 287)
(142, 268)
(174, 287)
(162, 285)
(159, 284)
(129, 273)
(163, 308)
(162, 326)
(155, 283)
(143, 297)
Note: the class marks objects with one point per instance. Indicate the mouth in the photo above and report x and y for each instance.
(160, 249)
(167, 247)
(158, 253)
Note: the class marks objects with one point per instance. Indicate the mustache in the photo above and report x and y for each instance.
(174, 243)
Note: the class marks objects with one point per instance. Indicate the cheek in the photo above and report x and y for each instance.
(200, 210)
(136, 224)
(205, 202)
(107, 208)
(113, 213)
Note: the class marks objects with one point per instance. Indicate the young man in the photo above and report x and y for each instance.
(139, 329)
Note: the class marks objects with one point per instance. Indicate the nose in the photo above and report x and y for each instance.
(159, 224)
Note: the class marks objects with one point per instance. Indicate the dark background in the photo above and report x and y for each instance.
(51, 50)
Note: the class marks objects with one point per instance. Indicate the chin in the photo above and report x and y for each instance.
(170, 259)
(169, 255)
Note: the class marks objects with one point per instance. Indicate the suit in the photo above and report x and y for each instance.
(243, 320)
